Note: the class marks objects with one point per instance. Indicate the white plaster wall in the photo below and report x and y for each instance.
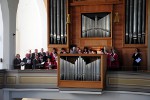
(31, 26)
(13, 6)
(1, 37)
(5, 16)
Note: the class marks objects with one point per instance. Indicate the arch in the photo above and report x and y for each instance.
(31, 29)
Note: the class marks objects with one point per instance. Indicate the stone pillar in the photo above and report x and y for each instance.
(148, 59)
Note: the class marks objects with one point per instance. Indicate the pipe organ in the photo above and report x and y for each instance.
(58, 33)
(83, 69)
(135, 21)
(80, 70)
(96, 24)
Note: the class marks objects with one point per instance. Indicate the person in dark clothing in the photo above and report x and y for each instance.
(17, 62)
(136, 59)
(27, 62)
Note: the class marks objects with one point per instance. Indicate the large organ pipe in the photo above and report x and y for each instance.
(58, 21)
(65, 3)
(143, 20)
(52, 22)
(108, 25)
(135, 21)
(127, 22)
(139, 20)
(131, 22)
(62, 21)
(55, 21)
(83, 26)
(96, 25)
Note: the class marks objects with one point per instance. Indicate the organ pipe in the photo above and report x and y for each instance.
(51, 22)
(135, 21)
(55, 21)
(80, 70)
(58, 32)
(143, 19)
(127, 22)
(131, 22)
(139, 20)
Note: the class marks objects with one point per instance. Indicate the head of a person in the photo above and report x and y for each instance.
(27, 55)
(54, 50)
(42, 50)
(18, 56)
(62, 49)
(137, 50)
(36, 50)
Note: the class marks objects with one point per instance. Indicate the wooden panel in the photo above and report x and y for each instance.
(94, 43)
(37, 80)
(129, 82)
(11, 80)
(80, 84)
(101, 8)
(1, 80)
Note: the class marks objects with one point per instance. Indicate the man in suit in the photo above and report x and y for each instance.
(17, 62)
(36, 62)
(35, 53)
(27, 62)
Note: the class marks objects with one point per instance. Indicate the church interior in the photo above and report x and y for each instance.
(115, 65)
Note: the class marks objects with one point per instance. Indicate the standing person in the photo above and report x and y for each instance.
(136, 59)
(114, 60)
(30, 54)
(36, 63)
(42, 52)
(35, 53)
(17, 62)
(53, 60)
(27, 62)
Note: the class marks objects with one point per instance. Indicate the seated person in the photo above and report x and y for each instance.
(37, 63)
(17, 62)
(27, 61)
